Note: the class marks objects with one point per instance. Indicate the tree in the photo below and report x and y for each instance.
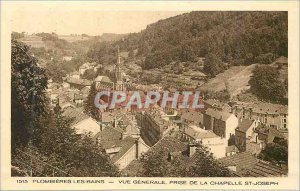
(158, 164)
(212, 65)
(275, 152)
(78, 155)
(155, 164)
(28, 83)
(89, 104)
(207, 166)
(89, 74)
(265, 84)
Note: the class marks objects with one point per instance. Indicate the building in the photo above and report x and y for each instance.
(192, 118)
(78, 83)
(113, 80)
(215, 144)
(272, 115)
(244, 133)
(221, 123)
(82, 123)
(152, 126)
(264, 135)
(103, 83)
(121, 148)
(78, 99)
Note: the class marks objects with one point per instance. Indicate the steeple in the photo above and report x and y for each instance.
(118, 81)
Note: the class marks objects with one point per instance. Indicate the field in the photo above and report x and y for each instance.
(235, 79)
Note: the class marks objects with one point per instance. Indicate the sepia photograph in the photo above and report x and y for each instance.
(145, 94)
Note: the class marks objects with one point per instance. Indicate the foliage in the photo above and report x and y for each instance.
(28, 83)
(34, 126)
(76, 154)
(89, 74)
(207, 166)
(275, 152)
(213, 65)
(89, 105)
(265, 84)
(59, 43)
(16, 35)
(157, 164)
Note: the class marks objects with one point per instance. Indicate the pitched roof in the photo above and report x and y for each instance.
(78, 97)
(85, 90)
(125, 145)
(84, 82)
(265, 169)
(244, 125)
(231, 148)
(243, 160)
(192, 132)
(264, 108)
(109, 137)
(194, 116)
(222, 115)
(76, 114)
(103, 79)
(270, 132)
(248, 165)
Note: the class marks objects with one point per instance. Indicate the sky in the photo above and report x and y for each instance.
(65, 21)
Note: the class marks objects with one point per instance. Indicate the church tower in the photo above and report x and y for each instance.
(119, 84)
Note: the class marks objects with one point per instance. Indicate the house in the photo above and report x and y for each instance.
(272, 115)
(264, 135)
(78, 99)
(121, 148)
(215, 144)
(244, 132)
(221, 123)
(79, 83)
(82, 123)
(152, 126)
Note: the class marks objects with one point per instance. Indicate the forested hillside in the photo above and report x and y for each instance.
(234, 38)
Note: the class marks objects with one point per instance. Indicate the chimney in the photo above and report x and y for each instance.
(137, 149)
(191, 149)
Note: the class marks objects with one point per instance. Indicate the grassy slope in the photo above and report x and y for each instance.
(235, 78)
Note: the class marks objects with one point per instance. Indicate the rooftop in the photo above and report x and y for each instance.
(204, 134)
(76, 114)
(244, 125)
(103, 79)
(222, 115)
(194, 116)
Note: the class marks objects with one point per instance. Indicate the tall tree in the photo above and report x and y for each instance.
(28, 83)
(265, 84)
(212, 65)
(89, 104)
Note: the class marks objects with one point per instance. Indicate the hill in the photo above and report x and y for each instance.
(237, 38)
(235, 80)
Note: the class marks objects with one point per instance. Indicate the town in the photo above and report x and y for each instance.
(234, 130)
